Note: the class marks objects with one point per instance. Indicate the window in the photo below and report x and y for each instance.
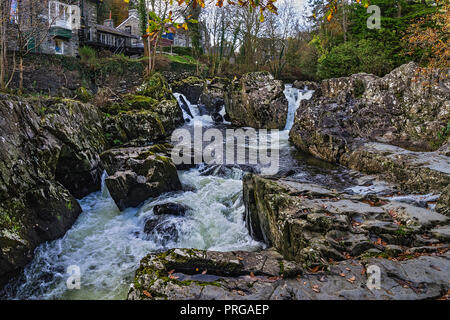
(60, 14)
(59, 46)
(128, 29)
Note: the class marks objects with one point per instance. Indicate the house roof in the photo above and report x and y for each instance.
(106, 29)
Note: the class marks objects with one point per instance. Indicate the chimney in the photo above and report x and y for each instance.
(133, 13)
(109, 23)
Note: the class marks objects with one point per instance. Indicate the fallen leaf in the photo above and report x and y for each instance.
(146, 293)
(435, 268)
(342, 275)
(352, 279)
(315, 288)
(315, 269)
(252, 275)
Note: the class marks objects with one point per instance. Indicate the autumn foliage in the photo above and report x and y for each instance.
(429, 37)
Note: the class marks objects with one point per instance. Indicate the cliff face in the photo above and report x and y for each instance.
(49, 154)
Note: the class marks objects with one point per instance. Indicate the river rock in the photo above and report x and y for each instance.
(187, 274)
(443, 204)
(311, 225)
(386, 126)
(138, 173)
(191, 87)
(161, 231)
(170, 209)
(148, 116)
(302, 85)
(217, 117)
(257, 100)
(49, 155)
(213, 95)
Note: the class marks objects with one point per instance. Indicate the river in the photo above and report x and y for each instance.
(107, 245)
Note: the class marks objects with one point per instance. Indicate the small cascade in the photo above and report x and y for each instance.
(104, 188)
(294, 97)
(192, 112)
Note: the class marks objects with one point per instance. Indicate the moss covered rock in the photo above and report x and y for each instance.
(148, 116)
(136, 174)
(191, 87)
(155, 87)
(257, 101)
(49, 154)
(311, 224)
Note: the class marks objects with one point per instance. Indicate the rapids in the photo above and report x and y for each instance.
(107, 244)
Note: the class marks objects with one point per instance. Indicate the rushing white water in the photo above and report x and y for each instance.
(294, 97)
(108, 244)
(194, 109)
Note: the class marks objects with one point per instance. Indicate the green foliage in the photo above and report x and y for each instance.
(182, 51)
(156, 87)
(341, 47)
(83, 94)
(87, 55)
(353, 57)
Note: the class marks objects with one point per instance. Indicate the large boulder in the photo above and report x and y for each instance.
(212, 98)
(191, 87)
(257, 100)
(188, 274)
(148, 116)
(360, 117)
(138, 173)
(311, 224)
(49, 155)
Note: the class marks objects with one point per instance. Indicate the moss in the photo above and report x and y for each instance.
(140, 102)
(11, 212)
(84, 94)
(156, 87)
(281, 267)
(359, 88)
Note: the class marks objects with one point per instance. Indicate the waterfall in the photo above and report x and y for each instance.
(294, 97)
(104, 188)
(193, 112)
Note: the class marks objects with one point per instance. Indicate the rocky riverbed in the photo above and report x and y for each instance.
(363, 183)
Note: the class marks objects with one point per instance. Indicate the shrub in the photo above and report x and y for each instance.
(87, 55)
(354, 57)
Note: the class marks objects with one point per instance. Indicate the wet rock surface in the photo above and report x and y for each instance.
(138, 173)
(149, 115)
(213, 95)
(257, 100)
(207, 275)
(49, 154)
(312, 224)
(386, 126)
(170, 208)
(191, 87)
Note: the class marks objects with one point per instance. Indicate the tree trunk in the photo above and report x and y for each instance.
(21, 74)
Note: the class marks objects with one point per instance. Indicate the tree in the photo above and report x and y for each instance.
(428, 38)
(5, 20)
(25, 25)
